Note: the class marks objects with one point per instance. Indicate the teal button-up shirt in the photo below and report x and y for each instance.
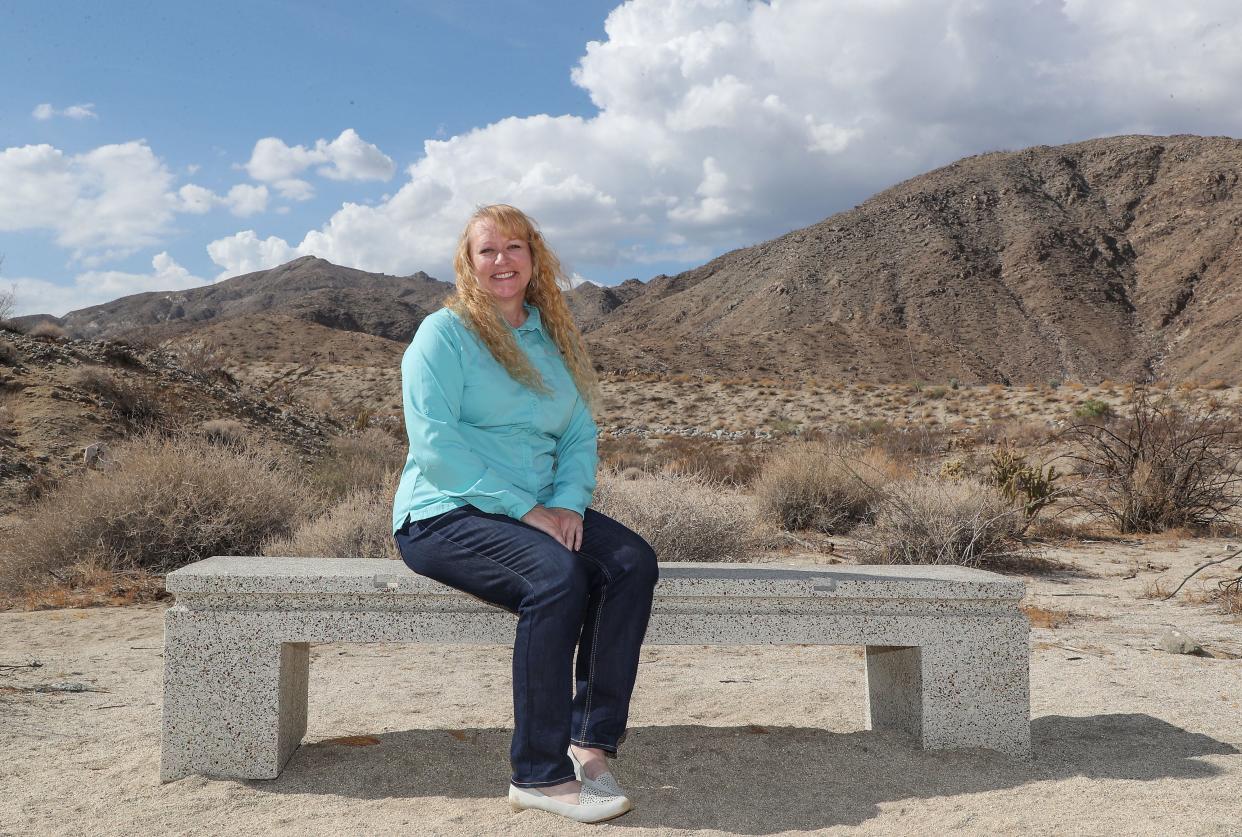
(478, 436)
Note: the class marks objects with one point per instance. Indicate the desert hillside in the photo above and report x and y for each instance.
(1115, 258)
(1112, 258)
(58, 397)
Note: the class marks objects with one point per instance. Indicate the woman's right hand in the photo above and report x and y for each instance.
(546, 521)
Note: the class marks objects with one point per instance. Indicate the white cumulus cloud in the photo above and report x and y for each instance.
(723, 122)
(243, 200)
(245, 252)
(39, 296)
(115, 197)
(348, 157)
(45, 111)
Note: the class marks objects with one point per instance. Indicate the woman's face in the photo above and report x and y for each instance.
(502, 264)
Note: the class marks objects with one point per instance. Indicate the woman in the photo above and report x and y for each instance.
(497, 389)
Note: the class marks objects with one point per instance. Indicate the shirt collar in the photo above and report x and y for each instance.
(533, 322)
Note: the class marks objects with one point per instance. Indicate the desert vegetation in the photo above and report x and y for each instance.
(857, 472)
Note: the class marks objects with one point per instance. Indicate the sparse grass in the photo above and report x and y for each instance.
(168, 501)
(725, 463)
(359, 526)
(929, 521)
(93, 587)
(363, 461)
(683, 518)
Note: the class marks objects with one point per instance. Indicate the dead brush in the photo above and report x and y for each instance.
(135, 401)
(357, 527)
(826, 487)
(929, 521)
(357, 462)
(683, 518)
(1162, 465)
(169, 501)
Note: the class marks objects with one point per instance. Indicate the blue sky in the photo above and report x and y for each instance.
(157, 146)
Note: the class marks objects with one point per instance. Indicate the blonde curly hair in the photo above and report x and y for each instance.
(479, 311)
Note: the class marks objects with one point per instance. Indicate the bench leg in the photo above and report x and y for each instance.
(232, 708)
(954, 695)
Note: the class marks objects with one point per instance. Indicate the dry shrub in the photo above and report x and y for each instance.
(827, 487)
(8, 300)
(929, 521)
(1161, 466)
(683, 518)
(9, 355)
(360, 462)
(224, 432)
(46, 330)
(359, 526)
(204, 357)
(135, 401)
(169, 501)
(726, 463)
(7, 416)
(901, 442)
(1023, 434)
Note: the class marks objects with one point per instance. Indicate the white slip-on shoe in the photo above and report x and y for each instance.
(593, 805)
(604, 781)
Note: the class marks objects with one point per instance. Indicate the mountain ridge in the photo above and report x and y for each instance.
(1109, 258)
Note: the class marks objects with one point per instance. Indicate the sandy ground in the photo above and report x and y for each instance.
(733, 740)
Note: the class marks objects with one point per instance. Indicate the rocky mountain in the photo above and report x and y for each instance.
(308, 289)
(1115, 257)
(1112, 258)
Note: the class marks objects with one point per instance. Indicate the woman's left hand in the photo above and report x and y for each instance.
(570, 524)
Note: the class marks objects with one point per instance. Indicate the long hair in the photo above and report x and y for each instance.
(479, 311)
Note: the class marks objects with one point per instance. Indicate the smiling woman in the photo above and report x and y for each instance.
(494, 497)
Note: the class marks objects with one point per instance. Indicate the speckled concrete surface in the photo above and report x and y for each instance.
(947, 650)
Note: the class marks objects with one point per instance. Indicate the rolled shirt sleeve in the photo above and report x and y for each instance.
(432, 385)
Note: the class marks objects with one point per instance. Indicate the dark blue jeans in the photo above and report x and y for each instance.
(597, 600)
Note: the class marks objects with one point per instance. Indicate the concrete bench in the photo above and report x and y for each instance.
(947, 652)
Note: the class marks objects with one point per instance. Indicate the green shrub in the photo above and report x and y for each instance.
(1030, 487)
(1093, 408)
(167, 502)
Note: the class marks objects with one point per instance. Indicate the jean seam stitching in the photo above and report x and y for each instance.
(599, 615)
(548, 783)
(600, 745)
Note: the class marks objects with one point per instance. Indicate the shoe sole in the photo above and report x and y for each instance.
(517, 808)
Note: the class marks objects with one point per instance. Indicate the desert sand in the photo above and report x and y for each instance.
(1129, 739)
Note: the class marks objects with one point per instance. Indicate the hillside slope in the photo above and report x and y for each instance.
(1115, 257)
